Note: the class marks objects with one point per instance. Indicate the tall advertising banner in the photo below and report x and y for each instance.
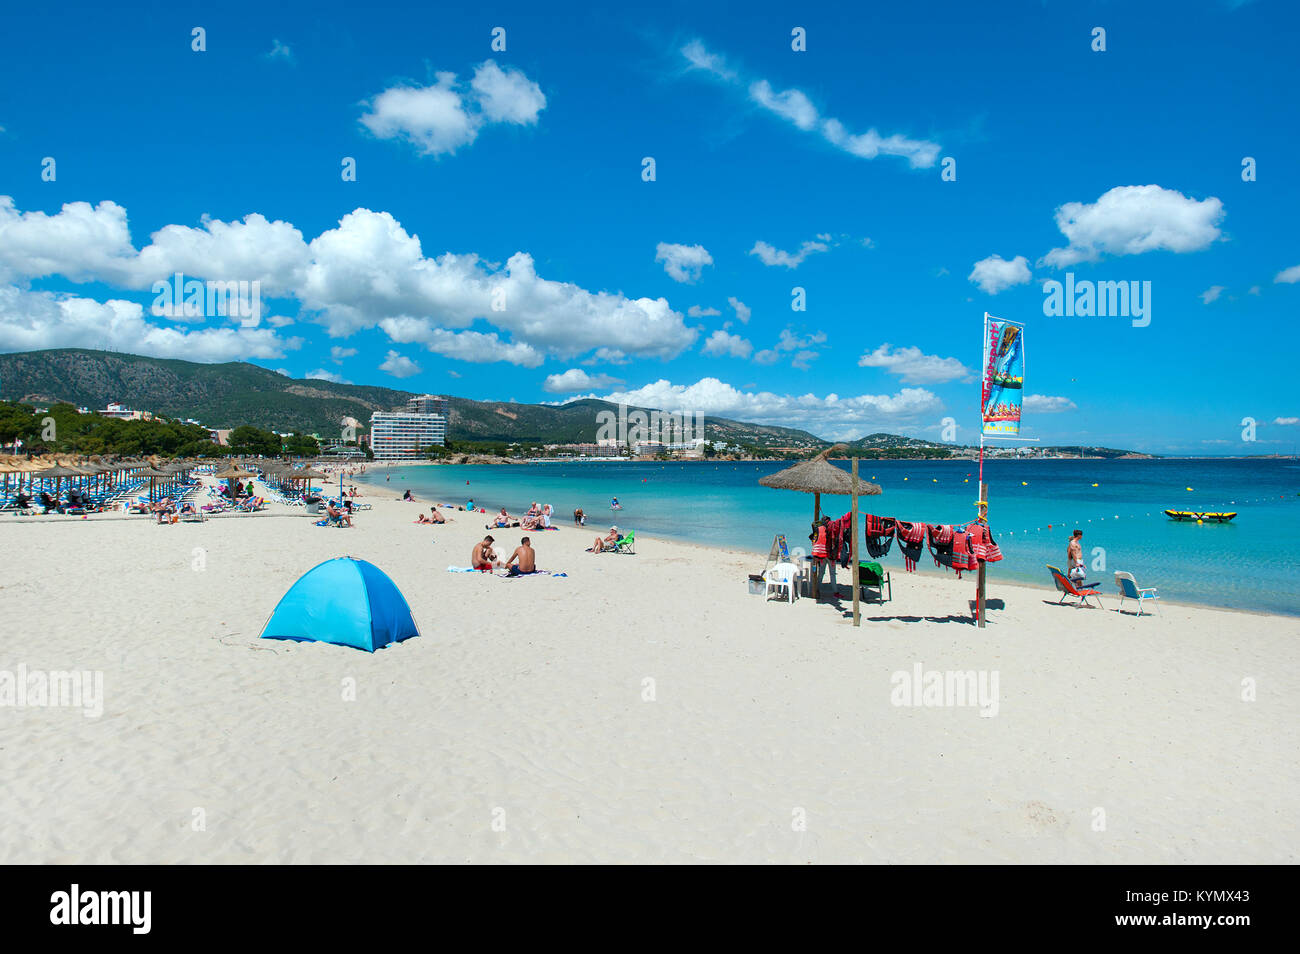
(1004, 377)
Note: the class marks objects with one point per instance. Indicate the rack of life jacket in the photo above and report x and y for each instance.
(957, 547)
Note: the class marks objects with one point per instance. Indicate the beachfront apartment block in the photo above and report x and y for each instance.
(427, 404)
(403, 435)
(603, 449)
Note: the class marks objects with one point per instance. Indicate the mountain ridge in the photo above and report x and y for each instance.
(236, 392)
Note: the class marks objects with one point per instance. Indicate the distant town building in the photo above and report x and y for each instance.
(603, 449)
(402, 435)
(338, 447)
(123, 413)
(427, 404)
(220, 436)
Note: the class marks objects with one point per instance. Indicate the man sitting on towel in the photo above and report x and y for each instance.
(483, 557)
(523, 561)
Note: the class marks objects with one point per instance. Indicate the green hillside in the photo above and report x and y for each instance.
(227, 395)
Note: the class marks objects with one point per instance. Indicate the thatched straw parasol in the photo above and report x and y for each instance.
(306, 474)
(57, 473)
(819, 476)
(11, 465)
(58, 470)
(153, 473)
(231, 472)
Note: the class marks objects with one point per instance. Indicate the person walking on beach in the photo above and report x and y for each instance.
(483, 558)
(523, 561)
(1075, 569)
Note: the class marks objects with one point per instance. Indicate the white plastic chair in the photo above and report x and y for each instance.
(781, 575)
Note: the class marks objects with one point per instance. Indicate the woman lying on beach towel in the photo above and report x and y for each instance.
(434, 517)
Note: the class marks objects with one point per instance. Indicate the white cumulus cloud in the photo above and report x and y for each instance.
(915, 366)
(575, 379)
(365, 273)
(1131, 220)
(742, 310)
(770, 255)
(1045, 404)
(830, 415)
(441, 118)
(995, 273)
(33, 321)
(724, 344)
(797, 108)
(398, 365)
(683, 263)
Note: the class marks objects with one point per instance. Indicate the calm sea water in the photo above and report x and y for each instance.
(1034, 505)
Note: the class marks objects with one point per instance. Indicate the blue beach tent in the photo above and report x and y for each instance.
(345, 601)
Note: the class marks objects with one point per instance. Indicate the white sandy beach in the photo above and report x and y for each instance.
(522, 707)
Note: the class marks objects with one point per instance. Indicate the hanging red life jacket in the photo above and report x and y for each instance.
(962, 557)
(940, 544)
(819, 542)
(982, 544)
(879, 534)
(911, 540)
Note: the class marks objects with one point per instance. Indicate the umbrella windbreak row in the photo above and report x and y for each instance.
(76, 486)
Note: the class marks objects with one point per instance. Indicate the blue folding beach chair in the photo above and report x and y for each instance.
(1129, 590)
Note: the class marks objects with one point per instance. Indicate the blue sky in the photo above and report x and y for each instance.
(546, 267)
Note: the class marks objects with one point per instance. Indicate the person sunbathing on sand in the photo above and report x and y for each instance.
(483, 558)
(607, 542)
(523, 560)
(338, 516)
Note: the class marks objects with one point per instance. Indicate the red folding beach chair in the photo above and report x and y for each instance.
(1067, 588)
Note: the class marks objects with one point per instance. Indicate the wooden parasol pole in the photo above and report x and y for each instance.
(853, 528)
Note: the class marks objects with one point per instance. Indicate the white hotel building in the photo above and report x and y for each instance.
(403, 435)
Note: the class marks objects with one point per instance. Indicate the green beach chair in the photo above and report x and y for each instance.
(626, 544)
(873, 574)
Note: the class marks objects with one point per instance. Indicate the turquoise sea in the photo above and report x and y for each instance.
(1033, 507)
